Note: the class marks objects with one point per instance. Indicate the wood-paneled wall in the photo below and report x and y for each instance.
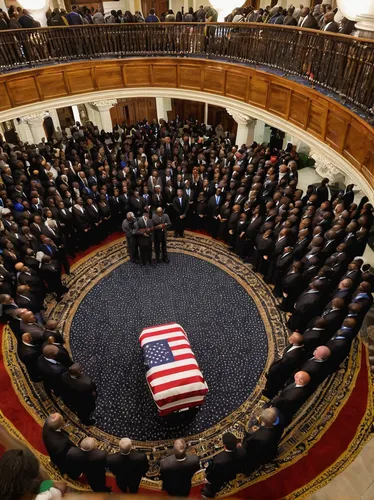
(304, 107)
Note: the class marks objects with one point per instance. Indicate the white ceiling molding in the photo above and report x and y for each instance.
(237, 107)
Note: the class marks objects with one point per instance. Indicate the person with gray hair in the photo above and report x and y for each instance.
(88, 460)
(128, 466)
(128, 227)
(177, 470)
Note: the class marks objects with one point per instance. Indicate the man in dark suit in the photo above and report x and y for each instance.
(253, 228)
(176, 471)
(144, 231)
(261, 446)
(316, 333)
(307, 20)
(306, 307)
(339, 345)
(56, 441)
(224, 466)
(128, 466)
(51, 273)
(329, 23)
(128, 226)
(282, 265)
(137, 203)
(50, 369)
(318, 366)
(214, 205)
(79, 393)
(293, 396)
(161, 222)
(90, 461)
(281, 243)
(281, 369)
(63, 355)
(291, 286)
(322, 191)
(334, 314)
(180, 205)
(26, 300)
(363, 295)
(30, 325)
(82, 223)
(300, 247)
(28, 352)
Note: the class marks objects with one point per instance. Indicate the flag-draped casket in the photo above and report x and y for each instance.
(173, 374)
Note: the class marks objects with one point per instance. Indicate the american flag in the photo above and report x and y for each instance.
(173, 375)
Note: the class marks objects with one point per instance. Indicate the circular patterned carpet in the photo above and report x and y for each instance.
(222, 322)
(236, 331)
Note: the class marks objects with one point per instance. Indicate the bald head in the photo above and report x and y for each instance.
(180, 448)
(302, 378)
(26, 337)
(269, 417)
(125, 446)
(50, 351)
(338, 303)
(54, 421)
(51, 324)
(19, 266)
(28, 317)
(322, 353)
(296, 339)
(88, 444)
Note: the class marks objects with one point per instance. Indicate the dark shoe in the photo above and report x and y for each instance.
(158, 261)
(166, 261)
(175, 234)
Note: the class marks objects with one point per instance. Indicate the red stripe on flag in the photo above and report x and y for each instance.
(161, 332)
(178, 383)
(171, 371)
(180, 357)
(178, 398)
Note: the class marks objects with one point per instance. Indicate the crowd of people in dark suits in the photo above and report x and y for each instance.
(67, 193)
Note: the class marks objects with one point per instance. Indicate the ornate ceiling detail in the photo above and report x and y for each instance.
(105, 104)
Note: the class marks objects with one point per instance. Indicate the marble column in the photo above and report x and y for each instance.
(259, 132)
(35, 121)
(23, 130)
(246, 127)
(361, 11)
(76, 115)
(163, 105)
(206, 111)
(104, 109)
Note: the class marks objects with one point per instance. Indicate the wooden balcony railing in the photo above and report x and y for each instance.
(340, 63)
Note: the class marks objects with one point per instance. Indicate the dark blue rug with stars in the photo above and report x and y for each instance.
(223, 325)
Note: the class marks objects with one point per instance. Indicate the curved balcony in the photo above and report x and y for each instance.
(339, 63)
(277, 74)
